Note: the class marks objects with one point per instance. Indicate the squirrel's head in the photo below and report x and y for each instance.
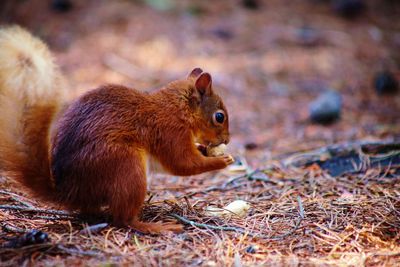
(212, 120)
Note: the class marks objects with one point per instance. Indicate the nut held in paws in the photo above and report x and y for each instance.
(215, 151)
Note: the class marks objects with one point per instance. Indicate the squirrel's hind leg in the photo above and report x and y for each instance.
(128, 193)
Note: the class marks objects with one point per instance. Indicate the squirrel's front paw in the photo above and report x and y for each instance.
(228, 159)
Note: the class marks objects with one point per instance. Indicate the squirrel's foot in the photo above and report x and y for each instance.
(156, 228)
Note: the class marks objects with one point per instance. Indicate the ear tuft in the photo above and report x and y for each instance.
(203, 84)
(195, 73)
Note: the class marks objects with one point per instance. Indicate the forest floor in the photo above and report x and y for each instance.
(268, 64)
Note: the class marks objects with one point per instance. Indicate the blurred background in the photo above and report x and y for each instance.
(295, 74)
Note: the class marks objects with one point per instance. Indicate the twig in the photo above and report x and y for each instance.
(58, 218)
(8, 193)
(28, 209)
(13, 229)
(73, 251)
(16, 198)
(298, 222)
(247, 175)
(264, 179)
(207, 226)
(94, 228)
(35, 247)
(26, 204)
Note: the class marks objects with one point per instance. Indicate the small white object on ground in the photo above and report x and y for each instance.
(237, 207)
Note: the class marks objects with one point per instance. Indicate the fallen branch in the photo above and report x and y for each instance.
(247, 175)
(13, 229)
(29, 209)
(298, 222)
(16, 198)
(207, 226)
(79, 252)
(92, 229)
(51, 218)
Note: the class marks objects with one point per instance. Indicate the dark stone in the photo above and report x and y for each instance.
(251, 4)
(61, 5)
(222, 33)
(250, 146)
(326, 108)
(36, 237)
(32, 237)
(385, 83)
(348, 8)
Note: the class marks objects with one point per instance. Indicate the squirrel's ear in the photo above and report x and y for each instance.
(195, 98)
(195, 73)
(203, 84)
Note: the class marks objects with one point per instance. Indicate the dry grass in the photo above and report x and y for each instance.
(351, 220)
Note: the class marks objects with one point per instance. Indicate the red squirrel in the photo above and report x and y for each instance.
(94, 152)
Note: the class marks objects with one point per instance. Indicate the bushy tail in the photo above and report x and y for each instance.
(31, 91)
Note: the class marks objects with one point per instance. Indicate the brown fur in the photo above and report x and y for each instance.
(104, 138)
(94, 153)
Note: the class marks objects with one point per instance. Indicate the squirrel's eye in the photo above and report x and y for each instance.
(219, 117)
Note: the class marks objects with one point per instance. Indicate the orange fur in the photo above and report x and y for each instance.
(95, 152)
(103, 139)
